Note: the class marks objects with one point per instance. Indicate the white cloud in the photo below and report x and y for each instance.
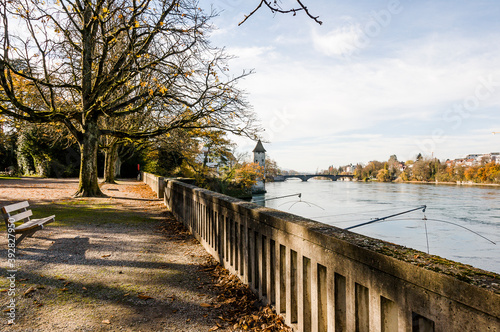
(399, 92)
(342, 41)
(300, 100)
(250, 54)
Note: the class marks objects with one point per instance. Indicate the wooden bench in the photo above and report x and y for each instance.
(18, 213)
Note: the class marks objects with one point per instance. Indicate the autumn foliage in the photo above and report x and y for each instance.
(249, 174)
(489, 173)
(428, 169)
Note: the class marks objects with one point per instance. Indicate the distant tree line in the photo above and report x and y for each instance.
(424, 169)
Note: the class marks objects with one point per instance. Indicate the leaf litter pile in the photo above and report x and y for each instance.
(239, 307)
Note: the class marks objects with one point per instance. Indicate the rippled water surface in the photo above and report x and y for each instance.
(345, 204)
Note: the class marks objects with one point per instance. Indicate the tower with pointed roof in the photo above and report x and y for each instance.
(259, 154)
(259, 157)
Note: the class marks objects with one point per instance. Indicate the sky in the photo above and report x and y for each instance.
(377, 78)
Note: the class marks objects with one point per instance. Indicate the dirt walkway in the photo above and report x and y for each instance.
(107, 264)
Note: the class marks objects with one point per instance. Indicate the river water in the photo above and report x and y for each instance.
(450, 208)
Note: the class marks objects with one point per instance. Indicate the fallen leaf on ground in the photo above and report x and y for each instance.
(144, 297)
(206, 305)
(242, 303)
(107, 255)
(214, 328)
(30, 290)
(84, 288)
(106, 321)
(64, 289)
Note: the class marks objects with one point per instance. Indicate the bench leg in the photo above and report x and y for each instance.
(27, 234)
(18, 240)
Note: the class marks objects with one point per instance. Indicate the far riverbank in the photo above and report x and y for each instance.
(458, 183)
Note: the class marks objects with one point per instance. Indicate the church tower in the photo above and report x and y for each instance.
(259, 157)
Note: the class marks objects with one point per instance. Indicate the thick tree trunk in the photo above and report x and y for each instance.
(89, 186)
(110, 156)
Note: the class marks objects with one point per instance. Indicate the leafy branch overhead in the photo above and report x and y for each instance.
(146, 61)
(116, 58)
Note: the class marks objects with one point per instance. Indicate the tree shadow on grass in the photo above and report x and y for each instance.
(136, 199)
(71, 248)
(74, 214)
(73, 251)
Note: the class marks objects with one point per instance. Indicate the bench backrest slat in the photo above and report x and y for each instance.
(15, 207)
(20, 216)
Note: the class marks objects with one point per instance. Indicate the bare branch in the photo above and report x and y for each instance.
(276, 9)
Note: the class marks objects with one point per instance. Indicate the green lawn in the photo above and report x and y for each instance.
(5, 177)
(73, 212)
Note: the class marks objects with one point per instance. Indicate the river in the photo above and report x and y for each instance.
(450, 208)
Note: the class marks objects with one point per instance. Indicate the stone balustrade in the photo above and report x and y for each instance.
(156, 183)
(318, 279)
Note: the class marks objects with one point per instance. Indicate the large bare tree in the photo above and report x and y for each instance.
(85, 60)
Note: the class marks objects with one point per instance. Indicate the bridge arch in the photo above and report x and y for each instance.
(300, 177)
(331, 177)
(305, 177)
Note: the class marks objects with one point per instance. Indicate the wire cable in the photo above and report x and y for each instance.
(301, 201)
(268, 199)
(354, 213)
(452, 223)
(423, 207)
(426, 234)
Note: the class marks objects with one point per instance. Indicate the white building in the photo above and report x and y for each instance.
(495, 157)
(349, 169)
(214, 162)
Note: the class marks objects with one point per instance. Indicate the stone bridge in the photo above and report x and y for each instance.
(305, 177)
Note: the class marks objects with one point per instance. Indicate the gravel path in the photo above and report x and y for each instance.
(95, 271)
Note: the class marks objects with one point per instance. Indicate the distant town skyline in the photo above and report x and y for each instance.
(470, 159)
(377, 78)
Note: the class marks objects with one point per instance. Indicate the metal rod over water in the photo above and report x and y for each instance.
(423, 207)
(268, 199)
